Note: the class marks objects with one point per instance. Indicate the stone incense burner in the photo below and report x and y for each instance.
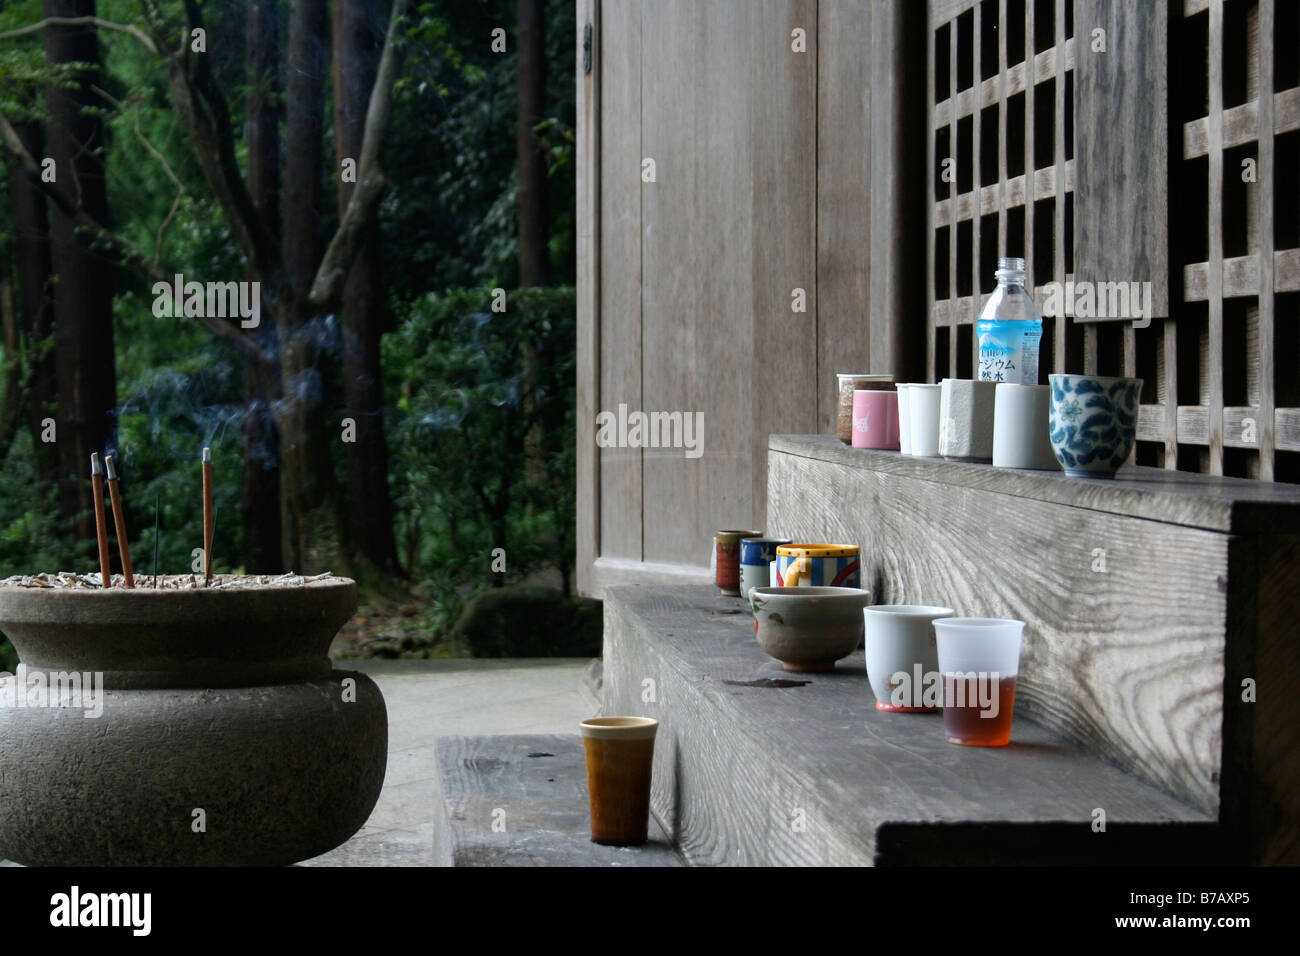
(225, 737)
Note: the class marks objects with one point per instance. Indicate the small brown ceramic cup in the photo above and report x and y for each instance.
(726, 571)
(620, 755)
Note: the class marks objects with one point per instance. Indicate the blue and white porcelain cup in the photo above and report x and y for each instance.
(1093, 422)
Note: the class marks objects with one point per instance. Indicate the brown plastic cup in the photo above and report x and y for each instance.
(620, 755)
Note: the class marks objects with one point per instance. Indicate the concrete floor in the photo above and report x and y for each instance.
(427, 699)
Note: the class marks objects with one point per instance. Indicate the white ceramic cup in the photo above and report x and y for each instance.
(771, 575)
(1022, 435)
(923, 410)
(904, 422)
(753, 576)
(901, 652)
(966, 419)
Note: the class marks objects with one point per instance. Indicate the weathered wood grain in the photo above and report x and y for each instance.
(607, 572)
(870, 243)
(954, 214)
(1043, 68)
(678, 339)
(587, 192)
(811, 774)
(931, 194)
(1238, 422)
(942, 11)
(620, 268)
(1261, 726)
(846, 325)
(989, 199)
(696, 270)
(1127, 662)
(1169, 367)
(725, 244)
(1232, 505)
(1060, 338)
(1261, 241)
(783, 153)
(533, 787)
(1241, 276)
(1241, 123)
(1120, 131)
(1212, 348)
(1274, 814)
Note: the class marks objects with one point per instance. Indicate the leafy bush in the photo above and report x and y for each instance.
(482, 437)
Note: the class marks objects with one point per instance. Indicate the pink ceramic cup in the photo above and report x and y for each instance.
(875, 419)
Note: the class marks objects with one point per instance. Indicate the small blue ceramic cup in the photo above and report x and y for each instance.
(1093, 422)
(756, 556)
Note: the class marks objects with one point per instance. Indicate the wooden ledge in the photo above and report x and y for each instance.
(1233, 505)
(521, 800)
(755, 774)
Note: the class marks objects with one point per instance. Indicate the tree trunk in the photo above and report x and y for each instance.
(83, 311)
(307, 486)
(357, 47)
(531, 24)
(35, 304)
(261, 475)
(528, 151)
(11, 405)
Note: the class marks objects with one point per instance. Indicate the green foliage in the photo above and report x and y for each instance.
(450, 213)
(32, 538)
(177, 392)
(484, 449)
(460, 405)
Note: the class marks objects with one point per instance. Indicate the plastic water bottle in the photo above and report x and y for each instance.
(1009, 329)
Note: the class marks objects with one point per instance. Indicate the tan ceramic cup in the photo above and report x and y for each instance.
(620, 756)
(726, 570)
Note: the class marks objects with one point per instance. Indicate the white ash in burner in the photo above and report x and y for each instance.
(168, 582)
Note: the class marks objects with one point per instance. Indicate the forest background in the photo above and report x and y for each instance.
(397, 178)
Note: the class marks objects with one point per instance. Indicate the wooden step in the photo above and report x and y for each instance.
(1160, 606)
(757, 766)
(521, 800)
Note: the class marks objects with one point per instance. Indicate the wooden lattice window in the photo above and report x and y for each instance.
(1001, 146)
(1229, 392)
(1219, 235)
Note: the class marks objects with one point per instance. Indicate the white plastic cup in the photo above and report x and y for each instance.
(979, 644)
(904, 422)
(979, 662)
(923, 410)
(1022, 433)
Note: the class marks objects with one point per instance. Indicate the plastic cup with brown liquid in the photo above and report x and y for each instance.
(620, 756)
(979, 659)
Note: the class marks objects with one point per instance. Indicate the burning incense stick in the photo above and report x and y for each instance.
(157, 499)
(207, 516)
(101, 525)
(119, 521)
